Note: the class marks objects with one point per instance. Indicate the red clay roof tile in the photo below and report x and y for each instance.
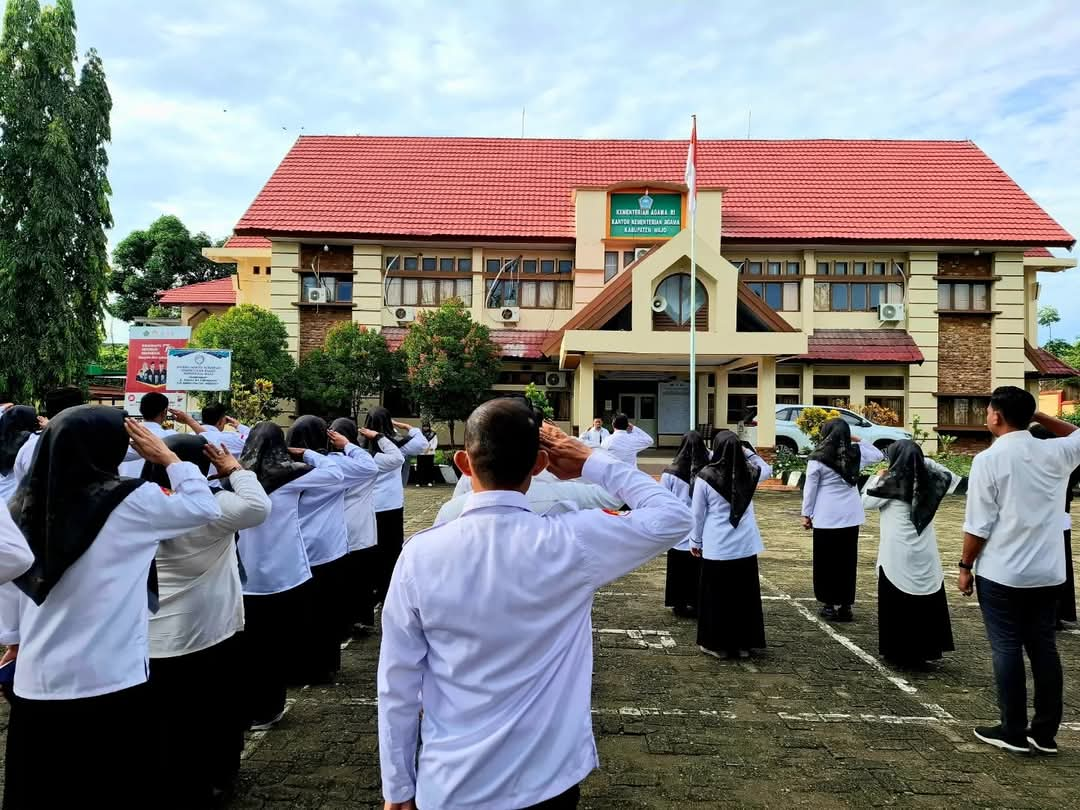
(247, 242)
(862, 346)
(520, 344)
(1047, 366)
(218, 291)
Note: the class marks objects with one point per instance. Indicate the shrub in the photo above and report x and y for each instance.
(811, 420)
(254, 404)
(539, 399)
(787, 461)
(879, 414)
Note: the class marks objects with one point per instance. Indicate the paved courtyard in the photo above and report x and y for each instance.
(816, 721)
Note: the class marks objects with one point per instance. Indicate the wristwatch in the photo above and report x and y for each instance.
(965, 566)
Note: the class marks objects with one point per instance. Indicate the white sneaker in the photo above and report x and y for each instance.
(269, 724)
(713, 653)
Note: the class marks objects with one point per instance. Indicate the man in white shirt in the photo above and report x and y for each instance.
(627, 440)
(596, 435)
(154, 408)
(1012, 540)
(502, 648)
(215, 418)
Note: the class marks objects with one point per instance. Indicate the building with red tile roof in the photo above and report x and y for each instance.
(902, 273)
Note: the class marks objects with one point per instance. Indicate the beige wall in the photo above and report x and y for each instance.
(285, 290)
(1010, 326)
(251, 288)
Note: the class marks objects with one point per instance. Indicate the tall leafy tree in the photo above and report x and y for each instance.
(259, 345)
(164, 256)
(354, 364)
(54, 199)
(451, 363)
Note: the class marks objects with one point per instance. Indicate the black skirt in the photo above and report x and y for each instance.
(361, 578)
(730, 617)
(322, 642)
(836, 557)
(95, 751)
(200, 726)
(683, 582)
(1066, 609)
(272, 623)
(912, 629)
(391, 529)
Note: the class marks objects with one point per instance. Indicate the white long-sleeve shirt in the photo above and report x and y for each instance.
(547, 496)
(232, 440)
(713, 532)
(626, 444)
(390, 486)
(595, 438)
(273, 552)
(681, 490)
(359, 503)
(15, 554)
(502, 647)
(199, 593)
(133, 468)
(89, 636)
(910, 560)
(829, 500)
(1015, 492)
(322, 510)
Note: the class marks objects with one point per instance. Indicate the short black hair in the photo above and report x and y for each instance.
(621, 421)
(1016, 406)
(153, 405)
(60, 399)
(502, 438)
(212, 414)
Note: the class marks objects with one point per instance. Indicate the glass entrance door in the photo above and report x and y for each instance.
(641, 408)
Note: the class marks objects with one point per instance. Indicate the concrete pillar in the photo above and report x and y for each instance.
(807, 393)
(806, 303)
(720, 415)
(858, 388)
(584, 392)
(476, 306)
(766, 402)
(702, 399)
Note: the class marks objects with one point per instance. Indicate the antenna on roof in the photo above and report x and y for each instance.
(749, 114)
(522, 122)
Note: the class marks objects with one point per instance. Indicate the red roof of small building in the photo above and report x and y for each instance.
(1039, 253)
(247, 242)
(218, 291)
(520, 344)
(886, 191)
(861, 346)
(1047, 366)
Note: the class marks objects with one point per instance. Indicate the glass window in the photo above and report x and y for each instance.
(774, 296)
(851, 419)
(648, 408)
(895, 294)
(830, 401)
(392, 262)
(858, 269)
(894, 404)
(565, 266)
(832, 382)
(794, 268)
(409, 288)
(877, 295)
(464, 290)
(547, 266)
(839, 268)
(627, 258)
(858, 297)
(738, 265)
(429, 292)
(493, 265)
(255, 271)
(944, 296)
(774, 268)
(878, 269)
(464, 265)
(896, 267)
(839, 297)
(344, 290)
(393, 293)
(564, 295)
(755, 268)
(821, 297)
(528, 266)
(791, 296)
(961, 296)
(788, 380)
(742, 380)
(546, 296)
(738, 405)
(980, 296)
(411, 264)
(528, 293)
(884, 383)
(757, 288)
(448, 289)
(676, 290)
(428, 264)
(446, 265)
(611, 265)
(823, 268)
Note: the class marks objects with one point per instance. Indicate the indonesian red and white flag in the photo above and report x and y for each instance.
(691, 168)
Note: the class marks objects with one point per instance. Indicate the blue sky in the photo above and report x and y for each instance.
(208, 96)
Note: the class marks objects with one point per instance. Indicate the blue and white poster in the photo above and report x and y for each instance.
(199, 369)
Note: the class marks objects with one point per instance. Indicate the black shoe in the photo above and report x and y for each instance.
(844, 614)
(995, 736)
(1042, 745)
(828, 612)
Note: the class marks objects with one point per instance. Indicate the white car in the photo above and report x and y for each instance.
(789, 436)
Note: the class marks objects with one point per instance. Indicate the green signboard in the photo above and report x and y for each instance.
(636, 216)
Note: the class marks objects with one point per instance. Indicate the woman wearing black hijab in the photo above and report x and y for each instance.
(683, 568)
(913, 614)
(726, 536)
(81, 723)
(278, 595)
(17, 424)
(389, 494)
(833, 509)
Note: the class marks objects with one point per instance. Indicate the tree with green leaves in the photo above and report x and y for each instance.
(362, 364)
(1048, 316)
(259, 345)
(451, 363)
(54, 199)
(317, 388)
(164, 256)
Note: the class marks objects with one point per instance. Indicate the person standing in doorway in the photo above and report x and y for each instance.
(627, 440)
(833, 509)
(1014, 557)
(596, 435)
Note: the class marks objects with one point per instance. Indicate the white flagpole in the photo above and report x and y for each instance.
(693, 281)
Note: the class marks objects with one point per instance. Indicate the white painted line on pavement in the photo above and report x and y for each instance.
(839, 717)
(634, 711)
(635, 594)
(859, 652)
(650, 639)
(255, 738)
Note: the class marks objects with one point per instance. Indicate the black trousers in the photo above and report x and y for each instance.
(1020, 620)
(200, 724)
(1066, 609)
(425, 470)
(836, 557)
(567, 800)
(271, 623)
(95, 751)
(362, 576)
(391, 530)
(328, 620)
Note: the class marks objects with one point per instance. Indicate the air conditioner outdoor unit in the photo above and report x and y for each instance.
(890, 312)
(404, 314)
(510, 314)
(639, 252)
(556, 379)
(659, 303)
(315, 295)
